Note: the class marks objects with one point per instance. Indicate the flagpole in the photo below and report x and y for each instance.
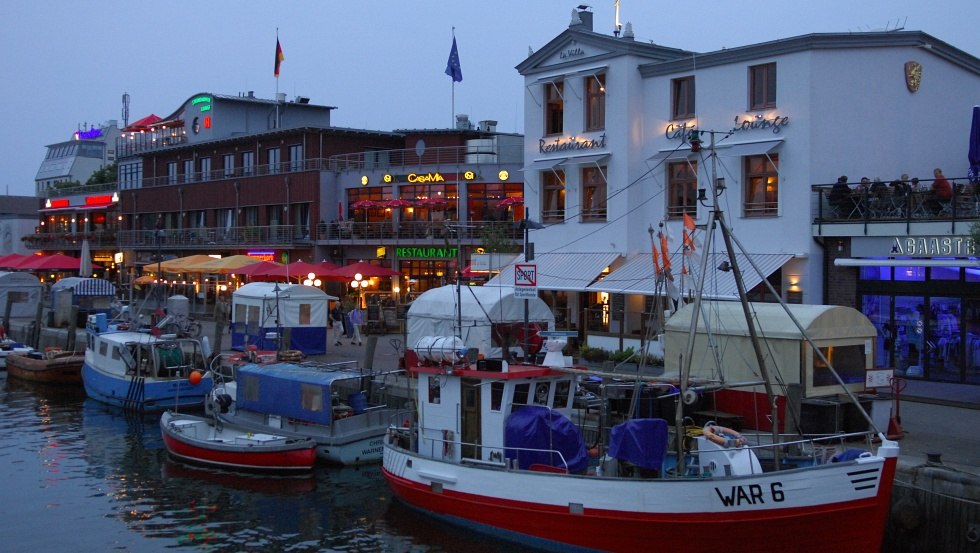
(452, 114)
(277, 81)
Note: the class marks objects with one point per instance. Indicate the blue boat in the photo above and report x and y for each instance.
(142, 372)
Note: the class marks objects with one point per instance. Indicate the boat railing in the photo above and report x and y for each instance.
(374, 417)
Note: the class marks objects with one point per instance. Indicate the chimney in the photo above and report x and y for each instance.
(488, 125)
(463, 122)
(582, 16)
(251, 94)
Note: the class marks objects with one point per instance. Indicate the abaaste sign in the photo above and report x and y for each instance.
(929, 246)
(426, 252)
(571, 144)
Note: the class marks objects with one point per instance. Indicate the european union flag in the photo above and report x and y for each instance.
(452, 66)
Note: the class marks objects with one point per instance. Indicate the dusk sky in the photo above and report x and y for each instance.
(381, 63)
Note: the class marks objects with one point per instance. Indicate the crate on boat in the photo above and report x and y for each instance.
(259, 439)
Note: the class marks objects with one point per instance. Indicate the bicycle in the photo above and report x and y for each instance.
(183, 326)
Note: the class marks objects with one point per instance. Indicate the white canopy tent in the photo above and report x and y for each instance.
(437, 313)
(263, 308)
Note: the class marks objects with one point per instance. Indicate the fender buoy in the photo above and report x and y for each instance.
(723, 436)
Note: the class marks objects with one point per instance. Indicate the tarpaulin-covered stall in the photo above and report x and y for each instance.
(844, 335)
(90, 295)
(23, 290)
(491, 317)
(301, 312)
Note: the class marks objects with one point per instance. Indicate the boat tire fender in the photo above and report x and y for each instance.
(723, 436)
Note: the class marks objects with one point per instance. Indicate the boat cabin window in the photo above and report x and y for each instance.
(562, 391)
(434, 390)
(541, 392)
(115, 353)
(103, 348)
(848, 361)
(248, 387)
(521, 393)
(311, 397)
(496, 395)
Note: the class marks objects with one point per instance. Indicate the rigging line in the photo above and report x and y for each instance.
(607, 223)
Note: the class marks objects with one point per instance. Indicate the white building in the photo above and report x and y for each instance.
(608, 157)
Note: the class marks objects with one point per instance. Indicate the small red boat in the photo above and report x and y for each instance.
(49, 367)
(201, 440)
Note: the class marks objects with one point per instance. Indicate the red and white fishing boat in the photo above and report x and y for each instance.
(202, 440)
(499, 447)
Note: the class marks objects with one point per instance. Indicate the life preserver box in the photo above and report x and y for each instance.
(723, 436)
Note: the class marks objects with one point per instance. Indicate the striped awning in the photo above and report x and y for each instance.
(560, 271)
(85, 286)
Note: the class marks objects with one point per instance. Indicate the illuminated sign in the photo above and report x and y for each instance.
(758, 122)
(88, 135)
(98, 200)
(426, 252)
(203, 101)
(60, 203)
(503, 175)
(428, 177)
(207, 122)
(263, 255)
(469, 175)
(364, 180)
(571, 144)
(930, 246)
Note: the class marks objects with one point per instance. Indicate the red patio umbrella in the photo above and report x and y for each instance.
(365, 204)
(398, 203)
(296, 269)
(365, 269)
(260, 269)
(12, 260)
(56, 262)
(511, 201)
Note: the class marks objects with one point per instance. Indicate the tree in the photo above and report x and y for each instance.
(105, 175)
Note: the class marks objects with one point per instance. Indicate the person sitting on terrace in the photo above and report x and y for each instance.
(840, 195)
(879, 188)
(942, 192)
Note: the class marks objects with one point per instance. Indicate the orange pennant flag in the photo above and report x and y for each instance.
(688, 222)
(656, 259)
(664, 251)
(688, 243)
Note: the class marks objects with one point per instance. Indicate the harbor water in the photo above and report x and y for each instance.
(76, 475)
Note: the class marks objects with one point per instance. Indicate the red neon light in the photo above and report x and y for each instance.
(60, 203)
(207, 121)
(98, 200)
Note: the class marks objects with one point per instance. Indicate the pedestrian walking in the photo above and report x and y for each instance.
(356, 320)
(337, 321)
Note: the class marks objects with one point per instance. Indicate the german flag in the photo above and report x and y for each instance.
(279, 58)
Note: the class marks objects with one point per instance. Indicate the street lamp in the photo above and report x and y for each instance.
(311, 280)
(527, 225)
(359, 284)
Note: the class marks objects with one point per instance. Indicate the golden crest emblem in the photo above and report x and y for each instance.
(913, 75)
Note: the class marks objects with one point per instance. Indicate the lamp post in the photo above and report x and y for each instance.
(279, 347)
(359, 284)
(527, 225)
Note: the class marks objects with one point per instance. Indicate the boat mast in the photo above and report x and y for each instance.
(716, 215)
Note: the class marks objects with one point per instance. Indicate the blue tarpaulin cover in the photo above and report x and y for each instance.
(642, 442)
(535, 427)
(288, 390)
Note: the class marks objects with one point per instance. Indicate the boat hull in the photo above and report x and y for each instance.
(63, 369)
(846, 503)
(142, 393)
(356, 440)
(197, 440)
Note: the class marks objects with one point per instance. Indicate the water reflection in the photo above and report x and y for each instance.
(89, 477)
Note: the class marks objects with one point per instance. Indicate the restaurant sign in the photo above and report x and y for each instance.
(426, 252)
(933, 246)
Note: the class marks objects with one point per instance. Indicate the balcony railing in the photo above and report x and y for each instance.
(70, 240)
(79, 190)
(284, 236)
(886, 206)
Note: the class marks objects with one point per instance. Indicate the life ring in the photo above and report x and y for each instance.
(723, 436)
